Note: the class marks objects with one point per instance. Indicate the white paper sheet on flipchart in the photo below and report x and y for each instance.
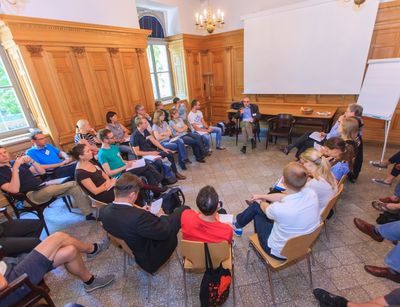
(226, 218)
(316, 136)
(156, 206)
(137, 164)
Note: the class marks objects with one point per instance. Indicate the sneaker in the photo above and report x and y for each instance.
(90, 217)
(378, 164)
(99, 282)
(221, 148)
(101, 246)
(381, 181)
(243, 149)
(183, 166)
(188, 161)
(238, 231)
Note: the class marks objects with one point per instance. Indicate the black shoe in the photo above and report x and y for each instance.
(90, 217)
(183, 166)
(328, 299)
(201, 160)
(243, 149)
(188, 161)
(285, 150)
(163, 188)
(253, 143)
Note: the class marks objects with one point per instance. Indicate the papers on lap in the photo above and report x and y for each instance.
(316, 136)
(151, 157)
(137, 164)
(174, 139)
(56, 181)
(279, 185)
(226, 218)
(156, 206)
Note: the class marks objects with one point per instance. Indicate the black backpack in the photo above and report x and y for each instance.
(214, 287)
(172, 199)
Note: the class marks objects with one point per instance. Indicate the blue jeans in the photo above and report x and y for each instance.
(391, 232)
(262, 225)
(218, 137)
(397, 190)
(178, 146)
(194, 141)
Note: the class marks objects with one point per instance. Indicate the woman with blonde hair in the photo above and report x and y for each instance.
(349, 129)
(322, 182)
(85, 134)
(162, 132)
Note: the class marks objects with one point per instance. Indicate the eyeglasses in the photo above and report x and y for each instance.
(110, 138)
(41, 139)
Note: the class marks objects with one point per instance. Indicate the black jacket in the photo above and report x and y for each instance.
(255, 113)
(149, 237)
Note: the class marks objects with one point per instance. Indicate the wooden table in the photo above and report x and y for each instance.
(314, 119)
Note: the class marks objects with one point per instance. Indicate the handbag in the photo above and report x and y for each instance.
(214, 287)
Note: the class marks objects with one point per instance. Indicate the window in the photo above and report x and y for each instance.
(160, 71)
(153, 24)
(14, 115)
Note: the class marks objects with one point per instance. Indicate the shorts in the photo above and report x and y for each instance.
(34, 264)
(393, 298)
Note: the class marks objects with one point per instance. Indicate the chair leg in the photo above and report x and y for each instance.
(326, 232)
(233, 285)
(247, 257)
(312, 259)
(266, 141)
(41, 217)
(309, 270)
(125, 260)
(276, 139)
(67, 203)
(271, 286)
(148, 287)
(184, 285)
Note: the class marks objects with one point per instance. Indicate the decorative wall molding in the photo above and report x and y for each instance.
(35, 50)
(78, 51)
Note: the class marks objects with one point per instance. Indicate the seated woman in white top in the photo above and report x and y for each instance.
(180, 129)
(323, 182)
(163, 134)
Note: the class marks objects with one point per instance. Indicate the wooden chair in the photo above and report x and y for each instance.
(280, 126)
(193, 259)
(329, 207)
(38, 292)
(129, 258)
(295, 249)
(342, 180)
(14, 200)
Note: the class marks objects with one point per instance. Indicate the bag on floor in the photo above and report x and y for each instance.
(172, 199)
(387, 217)
(214, 287)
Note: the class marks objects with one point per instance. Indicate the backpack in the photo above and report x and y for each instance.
(214, 287)
(172, 199)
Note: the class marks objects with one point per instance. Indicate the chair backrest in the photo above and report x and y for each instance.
(299, 246)
(194, 252)
(122, 243)
(282, 121)
(331, 203)
(133, 151)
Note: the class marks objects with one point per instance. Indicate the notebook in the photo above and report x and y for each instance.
(137, 164)
(156, 206)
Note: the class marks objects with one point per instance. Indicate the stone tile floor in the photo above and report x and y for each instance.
(338, 262)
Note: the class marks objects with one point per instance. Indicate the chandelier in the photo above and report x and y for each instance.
(209, 20)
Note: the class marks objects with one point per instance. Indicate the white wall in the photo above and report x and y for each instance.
(120, 13)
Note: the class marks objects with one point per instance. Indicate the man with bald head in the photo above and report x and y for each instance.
(281, 216)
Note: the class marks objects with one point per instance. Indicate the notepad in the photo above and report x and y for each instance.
(56, 181)
(226, 218)
(156, 206)
(279, 185)
(316, 136)
(151, 157)
(137, 164)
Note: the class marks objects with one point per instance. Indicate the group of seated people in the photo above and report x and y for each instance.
(308, 186)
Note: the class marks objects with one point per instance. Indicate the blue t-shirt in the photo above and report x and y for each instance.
(340, 169)
(46, 155)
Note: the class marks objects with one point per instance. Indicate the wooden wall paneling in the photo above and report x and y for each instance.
(237, 73)
(218, 68)
(148, 99)
(195, 77)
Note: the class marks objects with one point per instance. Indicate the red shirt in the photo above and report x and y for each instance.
(196, 229)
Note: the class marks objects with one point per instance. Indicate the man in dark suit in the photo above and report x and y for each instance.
(152, 238)
(249, 116)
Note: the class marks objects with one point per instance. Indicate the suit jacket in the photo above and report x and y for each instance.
(255, 113)
(148, 236)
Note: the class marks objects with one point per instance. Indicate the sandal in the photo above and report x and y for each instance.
(382, 207)
(381, 181)
(389, 200)
(379, 164)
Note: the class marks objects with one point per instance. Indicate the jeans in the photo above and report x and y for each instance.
(126, 149)
(262, 225)
(178, 146)
(395, 159)
(397, 190)
(206, 141)
(218, 137)
(194, 141)
(391, 232)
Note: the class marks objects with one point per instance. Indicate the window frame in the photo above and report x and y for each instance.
(15, 85)
(152, 42)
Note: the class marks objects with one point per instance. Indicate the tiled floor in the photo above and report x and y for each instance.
(338, 266)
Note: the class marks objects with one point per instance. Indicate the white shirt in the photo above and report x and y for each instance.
(323, 190)
(195, 118)
(3, 268)
(296, 214)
